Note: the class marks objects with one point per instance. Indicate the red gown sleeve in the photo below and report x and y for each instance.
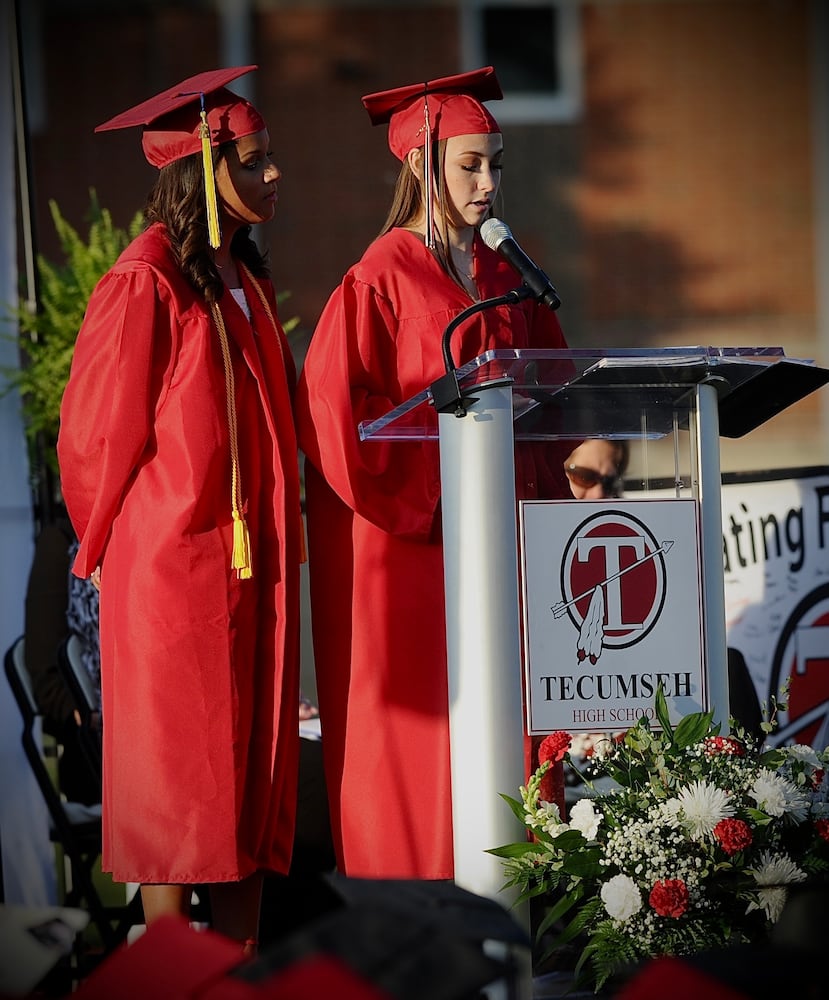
(354, 372)
(105, 419)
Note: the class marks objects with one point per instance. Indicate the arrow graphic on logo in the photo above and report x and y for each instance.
(560, 608)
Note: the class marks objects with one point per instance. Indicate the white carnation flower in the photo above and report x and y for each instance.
(621, 897)
(805, 753)
(585, 819)
(703, 806)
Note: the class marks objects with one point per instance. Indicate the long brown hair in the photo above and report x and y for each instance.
(408, 204)
(177, 201)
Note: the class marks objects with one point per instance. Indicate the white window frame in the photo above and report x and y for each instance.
(561, 106)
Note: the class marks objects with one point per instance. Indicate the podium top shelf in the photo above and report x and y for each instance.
(630, 393)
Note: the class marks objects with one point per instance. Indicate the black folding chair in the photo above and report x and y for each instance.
(75, 827)
(82, 688)
(79, 682)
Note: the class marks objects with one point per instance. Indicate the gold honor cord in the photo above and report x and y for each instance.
(303, 553)
(241, 560)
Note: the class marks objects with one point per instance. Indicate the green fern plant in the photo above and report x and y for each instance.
(47, 337)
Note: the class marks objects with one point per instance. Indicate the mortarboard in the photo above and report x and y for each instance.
(175, 116)
(194, 115)
(453, 104)
(420, 113)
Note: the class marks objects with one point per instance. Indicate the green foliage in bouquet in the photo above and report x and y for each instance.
(694, 848)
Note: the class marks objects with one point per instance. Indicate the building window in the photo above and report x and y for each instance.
(535, 47)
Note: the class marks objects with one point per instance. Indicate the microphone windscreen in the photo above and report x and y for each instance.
(494, 232)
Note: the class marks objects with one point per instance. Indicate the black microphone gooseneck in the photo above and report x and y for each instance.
(446, 393)
(498, 237)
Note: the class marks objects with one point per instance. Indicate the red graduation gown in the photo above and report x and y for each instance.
(199, 669)
(374, 545)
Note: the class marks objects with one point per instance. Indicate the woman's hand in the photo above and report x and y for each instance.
(96, 578)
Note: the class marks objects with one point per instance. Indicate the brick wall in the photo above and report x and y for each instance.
(678, 210)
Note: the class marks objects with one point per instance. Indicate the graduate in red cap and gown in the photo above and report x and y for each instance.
(178, 462)
(374, 507)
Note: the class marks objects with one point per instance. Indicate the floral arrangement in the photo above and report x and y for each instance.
(692, 849)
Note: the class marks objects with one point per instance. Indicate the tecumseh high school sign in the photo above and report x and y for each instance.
(611, 608)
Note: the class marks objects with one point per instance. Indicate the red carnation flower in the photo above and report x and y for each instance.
(725, 745)
(554, 747)
(669, 897)
(733, 835)
(817, 778)
(822, 827)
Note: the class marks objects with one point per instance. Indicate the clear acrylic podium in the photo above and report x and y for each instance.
(676, 401)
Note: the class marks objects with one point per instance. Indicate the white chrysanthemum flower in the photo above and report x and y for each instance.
(776, 795)
(585, 819)
(774, 873)
(703, 806)
(767, 792)
(621, 897)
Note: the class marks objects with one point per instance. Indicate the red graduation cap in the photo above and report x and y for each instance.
(194, 115)
(175, 116)
(441, 108)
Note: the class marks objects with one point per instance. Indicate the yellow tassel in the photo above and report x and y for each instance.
(241, 547)
(214, 233)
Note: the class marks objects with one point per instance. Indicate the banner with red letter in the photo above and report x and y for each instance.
(776, 562)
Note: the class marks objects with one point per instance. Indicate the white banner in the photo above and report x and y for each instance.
(776, 562)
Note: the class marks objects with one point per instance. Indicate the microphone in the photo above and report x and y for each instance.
(498, 237)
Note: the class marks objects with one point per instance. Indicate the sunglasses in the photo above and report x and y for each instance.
(588, 478)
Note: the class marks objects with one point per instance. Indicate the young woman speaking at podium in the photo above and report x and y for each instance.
(374, 507)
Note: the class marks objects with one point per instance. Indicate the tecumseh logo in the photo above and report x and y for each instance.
(613, 582)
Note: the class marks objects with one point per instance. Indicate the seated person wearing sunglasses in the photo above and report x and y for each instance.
(595, 469)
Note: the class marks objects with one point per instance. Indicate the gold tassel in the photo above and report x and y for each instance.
(214, 233)
(241, 547)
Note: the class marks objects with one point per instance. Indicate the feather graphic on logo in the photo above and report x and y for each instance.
(591, 633)
(592, 629)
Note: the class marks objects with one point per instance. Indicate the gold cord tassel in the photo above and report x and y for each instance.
(241, 557)
(303, 549)
(214, 233)
(241, 547)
